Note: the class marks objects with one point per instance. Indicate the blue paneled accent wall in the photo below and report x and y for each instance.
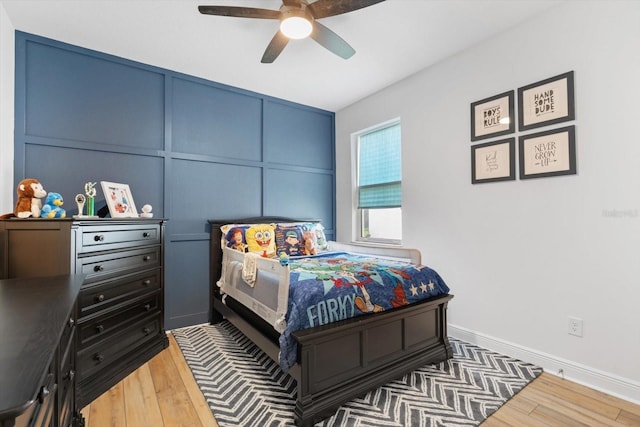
(192, 148)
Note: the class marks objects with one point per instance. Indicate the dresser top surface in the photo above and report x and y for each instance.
(88, 220)
(33, 315)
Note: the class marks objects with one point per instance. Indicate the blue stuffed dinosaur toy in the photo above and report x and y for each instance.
(51, 207)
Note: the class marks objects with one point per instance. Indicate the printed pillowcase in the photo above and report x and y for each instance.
(320, 238)
(256, 238)
(300, 239)
(289, 240)
(233, 236)
(270, 240)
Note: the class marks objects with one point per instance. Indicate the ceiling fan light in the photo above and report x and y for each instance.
(296, 27)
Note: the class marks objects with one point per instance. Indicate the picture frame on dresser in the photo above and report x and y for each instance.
(493, 116)
(546, 102)
(119, 200)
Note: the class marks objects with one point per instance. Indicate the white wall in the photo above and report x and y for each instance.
(522, 256)
(6, 112)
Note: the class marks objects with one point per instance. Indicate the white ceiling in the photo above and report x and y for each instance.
(393, 40)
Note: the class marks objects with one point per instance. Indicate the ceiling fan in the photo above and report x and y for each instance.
(298, 19)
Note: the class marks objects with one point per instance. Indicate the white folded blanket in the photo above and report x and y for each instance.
(250, 268)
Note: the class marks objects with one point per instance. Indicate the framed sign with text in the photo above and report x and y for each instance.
(493, 161)
(493, 116)
(546, 102)
(548, 153)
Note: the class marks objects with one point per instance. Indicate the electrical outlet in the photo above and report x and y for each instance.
(575, 326)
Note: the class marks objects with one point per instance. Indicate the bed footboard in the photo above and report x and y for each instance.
(345, 360)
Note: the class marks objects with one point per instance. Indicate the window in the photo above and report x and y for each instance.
(379, 189)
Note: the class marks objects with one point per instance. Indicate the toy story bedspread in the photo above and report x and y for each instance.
(340, 285)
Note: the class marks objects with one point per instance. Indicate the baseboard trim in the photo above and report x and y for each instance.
(609, 383)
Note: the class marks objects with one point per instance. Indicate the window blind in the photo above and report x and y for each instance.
(380, 169)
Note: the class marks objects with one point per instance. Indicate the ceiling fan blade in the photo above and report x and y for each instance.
(277, 44)
(291, 3)
(240, 12)
(326, 8)
(331, 41)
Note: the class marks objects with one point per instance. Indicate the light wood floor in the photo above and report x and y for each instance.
(163, 393)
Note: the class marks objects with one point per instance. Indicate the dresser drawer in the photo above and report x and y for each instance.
(67, 348)
(65, 411)
(67, 333)
(99, 267)
(119, 237)
(102, 327)
(66, 386)
(44, 412)
(40, 413)
(102, 354)
(102, 296)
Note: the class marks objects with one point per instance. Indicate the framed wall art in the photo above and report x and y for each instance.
(119, 200)
(548, 153)
(493, 161)
(493, 116)
(546, 102)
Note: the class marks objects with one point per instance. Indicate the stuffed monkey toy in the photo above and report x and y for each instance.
(30, 191)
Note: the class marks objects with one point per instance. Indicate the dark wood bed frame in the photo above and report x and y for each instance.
(343, 360)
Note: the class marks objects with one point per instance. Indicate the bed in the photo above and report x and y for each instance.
(338, 361)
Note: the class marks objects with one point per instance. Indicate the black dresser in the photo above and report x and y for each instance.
(37, 352)
(121, 303)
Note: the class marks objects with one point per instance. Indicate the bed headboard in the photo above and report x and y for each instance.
(215, 250)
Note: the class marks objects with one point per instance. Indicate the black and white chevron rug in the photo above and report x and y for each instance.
(244, 387)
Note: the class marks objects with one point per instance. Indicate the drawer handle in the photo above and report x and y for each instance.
(98, 237)
(146, 234)
(70, 375)
(147, 307)
(98, 268)
(146, 258)
(100, 298)
(99, 329)
(44, 392)
(146, 331)
(71, 322)
(98, 357)
(146, 282)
